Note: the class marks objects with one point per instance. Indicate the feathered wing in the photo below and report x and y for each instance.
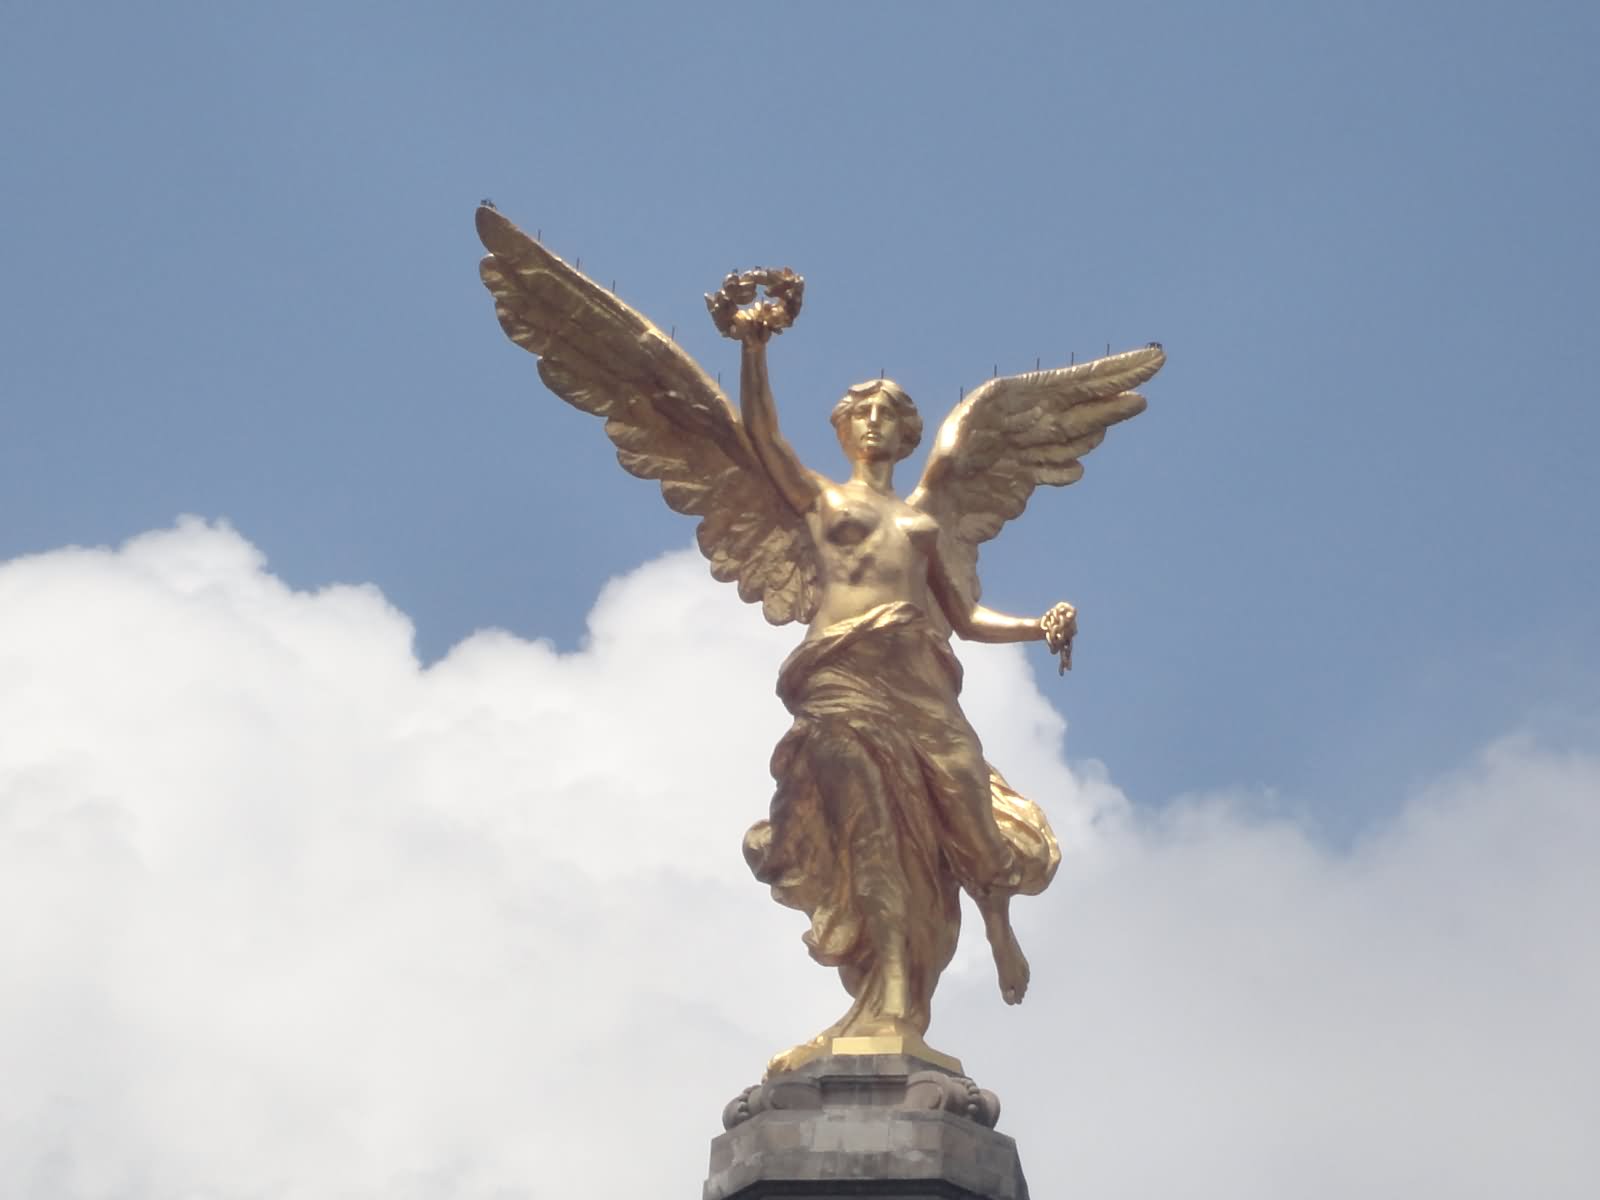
(1015, 433)
(668, 420)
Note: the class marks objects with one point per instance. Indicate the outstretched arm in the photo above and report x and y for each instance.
(797, 486)
(976, 623)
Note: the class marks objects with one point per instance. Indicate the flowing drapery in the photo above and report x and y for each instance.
(885, 809)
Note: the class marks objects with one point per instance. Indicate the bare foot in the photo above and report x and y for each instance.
(1011, 965)
(1009, 961)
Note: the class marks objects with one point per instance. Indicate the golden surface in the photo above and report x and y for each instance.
(915, 1047)
(885, 809)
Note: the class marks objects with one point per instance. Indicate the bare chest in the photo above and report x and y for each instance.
(862, 535)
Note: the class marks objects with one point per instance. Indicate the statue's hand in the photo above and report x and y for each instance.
(1060, 626)
(749, 325)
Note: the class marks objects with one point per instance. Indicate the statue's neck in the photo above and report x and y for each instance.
(877, 474)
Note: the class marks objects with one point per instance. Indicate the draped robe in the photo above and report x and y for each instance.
(875, 864)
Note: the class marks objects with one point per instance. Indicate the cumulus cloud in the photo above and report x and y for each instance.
(285, 914)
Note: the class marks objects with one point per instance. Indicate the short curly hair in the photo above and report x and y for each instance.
(904, 408)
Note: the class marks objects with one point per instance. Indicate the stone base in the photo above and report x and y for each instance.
(889, 1125)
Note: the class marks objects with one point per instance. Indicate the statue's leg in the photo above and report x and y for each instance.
(1009, 962)
(978, 852)
(861, 817)
(984, 861)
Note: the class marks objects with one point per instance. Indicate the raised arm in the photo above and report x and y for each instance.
(797, 485)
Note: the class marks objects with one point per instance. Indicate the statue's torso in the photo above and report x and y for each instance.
(873, 549)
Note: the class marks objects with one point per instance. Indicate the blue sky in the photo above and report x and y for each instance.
(282, 914)
(1351, 539)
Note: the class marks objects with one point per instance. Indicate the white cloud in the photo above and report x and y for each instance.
(284, 915)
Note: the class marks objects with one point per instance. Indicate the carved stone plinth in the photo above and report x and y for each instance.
(886, 1125)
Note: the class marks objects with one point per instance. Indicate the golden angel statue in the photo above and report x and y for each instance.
(885, 809)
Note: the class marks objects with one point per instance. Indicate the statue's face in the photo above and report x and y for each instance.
(872, 430)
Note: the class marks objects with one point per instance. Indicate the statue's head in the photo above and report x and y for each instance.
(876, 420)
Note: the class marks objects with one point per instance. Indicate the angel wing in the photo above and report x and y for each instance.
(669, 421)
(1013, 434)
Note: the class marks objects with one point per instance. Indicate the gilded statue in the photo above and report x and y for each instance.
(885, 809)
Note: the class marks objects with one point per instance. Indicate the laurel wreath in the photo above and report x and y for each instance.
(783, 291)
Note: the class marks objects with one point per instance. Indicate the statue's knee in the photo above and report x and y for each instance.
(971, 785)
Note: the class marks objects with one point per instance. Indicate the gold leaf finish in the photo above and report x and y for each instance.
(885, 808)
(668, 420)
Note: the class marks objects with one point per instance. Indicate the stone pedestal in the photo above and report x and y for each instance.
(885, 1125)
